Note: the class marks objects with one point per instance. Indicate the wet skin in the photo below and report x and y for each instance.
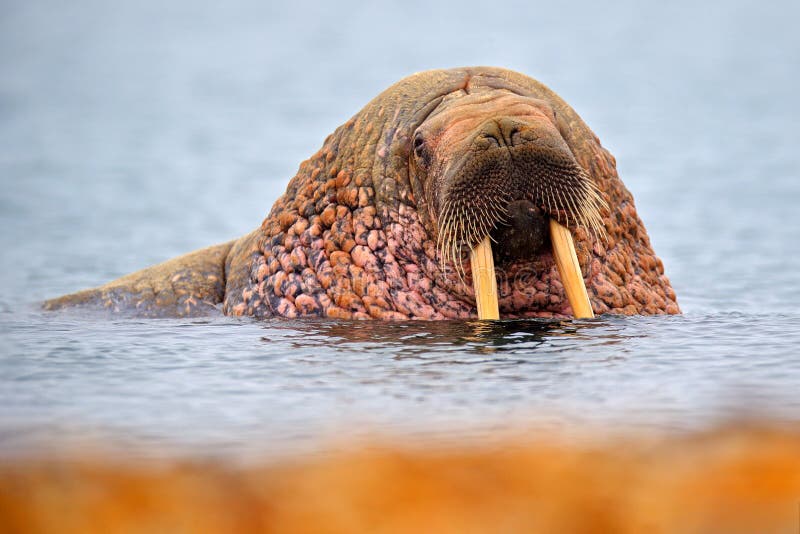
(378, 223)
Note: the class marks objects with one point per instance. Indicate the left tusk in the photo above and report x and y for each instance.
(484, 281)
(570, 270)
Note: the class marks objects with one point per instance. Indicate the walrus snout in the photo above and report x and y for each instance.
(509, 178)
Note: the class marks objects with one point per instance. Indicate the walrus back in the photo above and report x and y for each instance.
(186, 286)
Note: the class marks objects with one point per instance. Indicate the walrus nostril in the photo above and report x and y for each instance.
(493, 139)
(505, 132)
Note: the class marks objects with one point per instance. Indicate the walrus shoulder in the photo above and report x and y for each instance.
(189, 285)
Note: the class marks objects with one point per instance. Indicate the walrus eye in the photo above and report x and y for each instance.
(420, 150)
(419, 145)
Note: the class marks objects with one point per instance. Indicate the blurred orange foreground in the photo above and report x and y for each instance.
(726, 481)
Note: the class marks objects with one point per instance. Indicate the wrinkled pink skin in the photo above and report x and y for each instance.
(389, 273)
(351, 237)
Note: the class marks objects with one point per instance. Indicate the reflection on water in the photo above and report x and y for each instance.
(427, 340)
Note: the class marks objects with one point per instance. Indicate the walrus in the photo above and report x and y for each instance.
(381, 221)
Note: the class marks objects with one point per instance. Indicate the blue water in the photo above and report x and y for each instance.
(130, 134)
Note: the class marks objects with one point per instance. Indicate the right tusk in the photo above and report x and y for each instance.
(570, 270)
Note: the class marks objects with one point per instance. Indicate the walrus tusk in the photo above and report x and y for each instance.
(484, 281)
(570, 270)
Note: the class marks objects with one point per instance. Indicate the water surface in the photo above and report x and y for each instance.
(131, 134)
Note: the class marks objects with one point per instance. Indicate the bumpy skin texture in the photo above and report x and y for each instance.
(354, 236)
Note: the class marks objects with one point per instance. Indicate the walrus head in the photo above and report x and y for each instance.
(380, 222)
(496, 164)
